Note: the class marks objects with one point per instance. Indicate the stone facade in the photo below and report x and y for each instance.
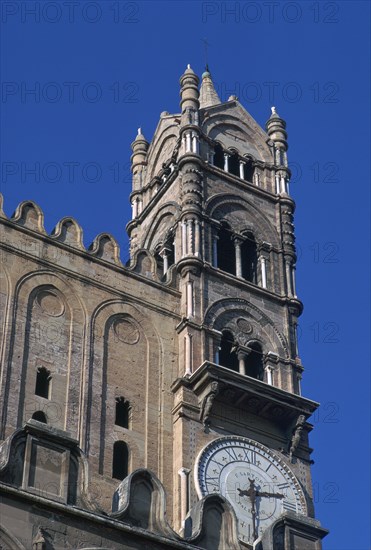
(116, 372)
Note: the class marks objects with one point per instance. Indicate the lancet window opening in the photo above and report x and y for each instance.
(43, 383)
(165, 254)
(227, 352)
(254, 364)
(120, 460)
(122, 412)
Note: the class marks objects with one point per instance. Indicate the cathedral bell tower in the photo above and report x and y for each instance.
(211, 207)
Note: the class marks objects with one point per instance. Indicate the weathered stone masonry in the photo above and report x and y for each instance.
(114, 377)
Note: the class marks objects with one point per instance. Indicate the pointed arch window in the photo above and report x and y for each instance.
(120, 460)
(226, 253)
(165, 254)
(219, 156)
(227, 355)
(43, 380)
(249, 170)
(122, 416)
(254, 364)
(249, 258)
(234, 164)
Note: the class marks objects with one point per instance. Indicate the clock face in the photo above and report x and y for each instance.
(258, 484)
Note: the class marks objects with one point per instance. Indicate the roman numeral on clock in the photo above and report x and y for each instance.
(289, 506)
(212, 480)
(250, 456)
(231, 453)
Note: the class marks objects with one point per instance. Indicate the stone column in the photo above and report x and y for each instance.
(288, 277)
(184, 492)
(299, 383)
(263, 272)
(295, 325)
(277, 180)
(164, 255)
(215, 250)
(241, 356)
(270, 360)
(189, 299)
(190, 236)
(237, 245)
(293, 280)
(197, 239)
(188, 354)
(184, 239)
(226, 162)
(268, 370)
(194, 143)
(242, 169)
(188, 142)
(283, 184)
(134, 209)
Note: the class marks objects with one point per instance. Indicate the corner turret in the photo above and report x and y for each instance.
(138, 167)
(189, 90)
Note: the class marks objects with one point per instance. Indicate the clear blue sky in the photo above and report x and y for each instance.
(101, 69)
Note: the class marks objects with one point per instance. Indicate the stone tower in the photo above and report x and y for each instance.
(175, 380)
(211, 202)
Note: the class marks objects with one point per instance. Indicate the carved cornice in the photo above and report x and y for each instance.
(247, 393)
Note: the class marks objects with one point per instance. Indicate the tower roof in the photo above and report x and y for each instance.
(208, 94)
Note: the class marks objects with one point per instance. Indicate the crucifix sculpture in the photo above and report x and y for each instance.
(253, 493)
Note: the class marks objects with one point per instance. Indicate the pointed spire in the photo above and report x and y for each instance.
(276, 129)
(274, 113)
(139, 147)
(208, 94)
(189, 90)
(140, 136)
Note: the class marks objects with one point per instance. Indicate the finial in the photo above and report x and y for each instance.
(139, 131)
(188, 66)
(273, 109)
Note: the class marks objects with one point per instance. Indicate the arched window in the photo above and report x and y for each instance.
(227, 355)
(120, 461)
(226, 250)
(254, 362)
(234, 164)
(165, 255)
(122, 417)
(42, 387)
(249, 257)
(218, 156)
(39, 416)
(249, 171)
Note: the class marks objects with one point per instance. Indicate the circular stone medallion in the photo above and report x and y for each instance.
(126, 331)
